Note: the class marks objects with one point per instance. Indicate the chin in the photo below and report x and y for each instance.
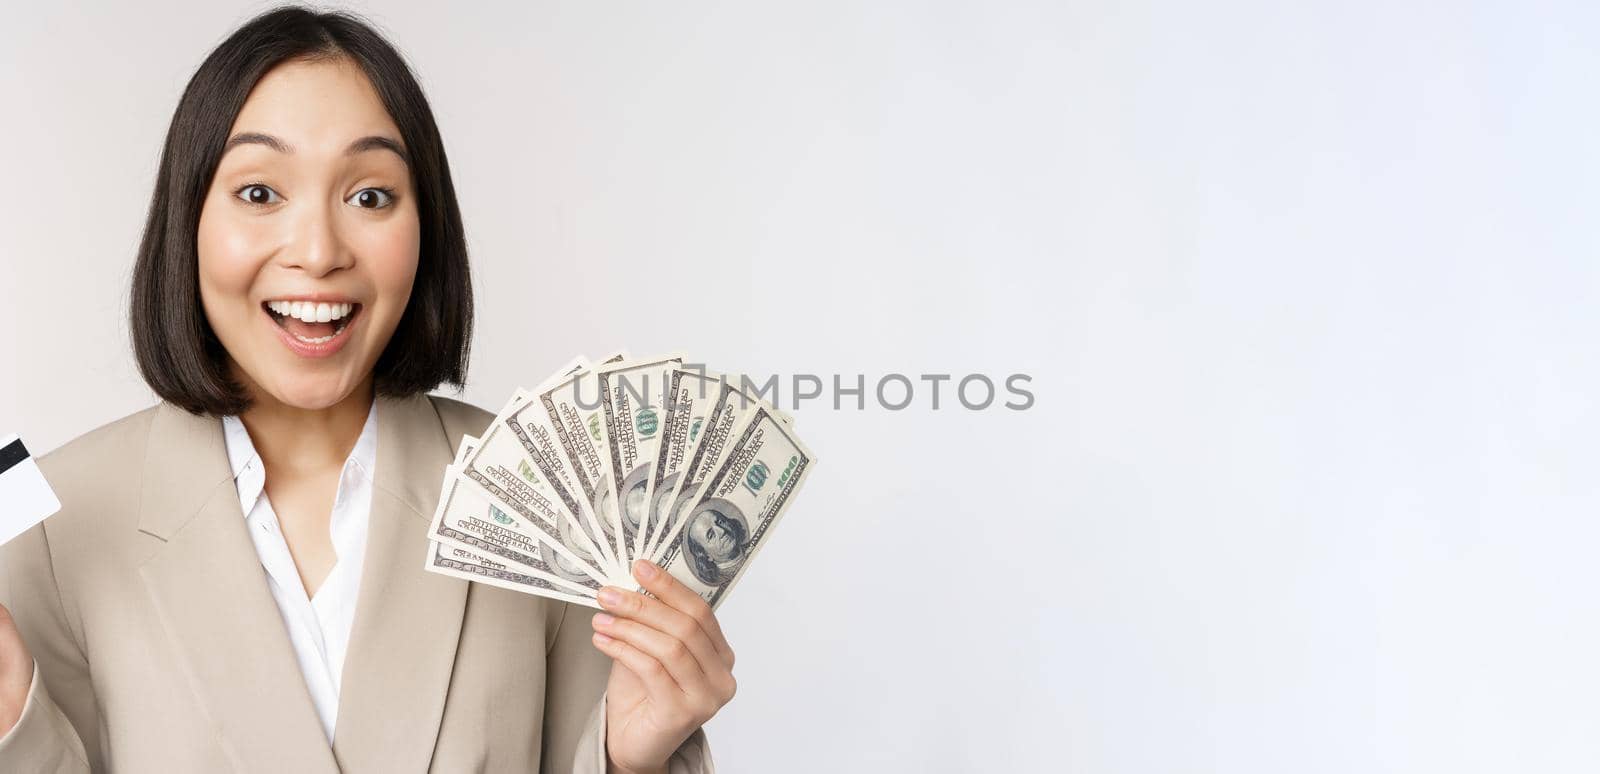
(310, 396)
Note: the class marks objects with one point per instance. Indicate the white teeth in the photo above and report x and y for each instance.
(310, 312)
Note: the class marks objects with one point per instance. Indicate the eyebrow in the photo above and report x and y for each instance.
(361, 145)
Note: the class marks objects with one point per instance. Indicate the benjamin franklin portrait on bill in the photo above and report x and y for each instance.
(633, 504)
(715, 541)
(563, 566)
(660, 514)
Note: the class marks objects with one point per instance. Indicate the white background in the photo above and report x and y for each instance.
(1307, 292)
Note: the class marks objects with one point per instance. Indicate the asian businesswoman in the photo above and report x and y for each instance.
(234, 582)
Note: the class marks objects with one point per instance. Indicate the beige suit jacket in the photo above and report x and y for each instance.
(158, 647)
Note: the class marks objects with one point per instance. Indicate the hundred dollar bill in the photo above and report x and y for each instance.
(547, 448)
(516, 544)
(731, 406)
(468, 443)
(499, 467)
(632, 402)
(467, 519)
(736, 508)
(693, 395)
(541, 447)
(464, 564)
(571, 409)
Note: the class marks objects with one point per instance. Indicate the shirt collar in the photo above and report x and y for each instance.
(249, 476)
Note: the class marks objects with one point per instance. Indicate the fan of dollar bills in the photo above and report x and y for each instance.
(606, 463)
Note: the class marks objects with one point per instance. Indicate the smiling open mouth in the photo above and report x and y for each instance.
(311, 323)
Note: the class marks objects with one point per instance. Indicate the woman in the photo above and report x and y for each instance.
(234, 582)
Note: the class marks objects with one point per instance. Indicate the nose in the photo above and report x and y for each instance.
(318, 247)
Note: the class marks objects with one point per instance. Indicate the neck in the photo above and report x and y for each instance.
(291, 438)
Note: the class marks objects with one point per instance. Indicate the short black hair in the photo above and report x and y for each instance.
(178, 353)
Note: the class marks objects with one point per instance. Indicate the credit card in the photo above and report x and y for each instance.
(25, 497)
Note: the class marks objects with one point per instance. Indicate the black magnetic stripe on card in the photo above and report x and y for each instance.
(12, 454)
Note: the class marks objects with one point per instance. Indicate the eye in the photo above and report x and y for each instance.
(372, 198)
(258, 195)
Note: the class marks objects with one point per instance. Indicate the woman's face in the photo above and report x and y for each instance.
(311, 204)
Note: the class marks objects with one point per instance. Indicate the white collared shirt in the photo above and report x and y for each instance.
(319, 627)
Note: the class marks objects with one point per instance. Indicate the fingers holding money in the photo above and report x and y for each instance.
(681, 603)
(686, 645)
(565, 491)
(665, 664)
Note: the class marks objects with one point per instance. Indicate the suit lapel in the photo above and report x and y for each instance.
(211, 595)
(403, 644)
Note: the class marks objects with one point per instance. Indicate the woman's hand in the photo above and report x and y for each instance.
(16, 672)
(671, 669)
